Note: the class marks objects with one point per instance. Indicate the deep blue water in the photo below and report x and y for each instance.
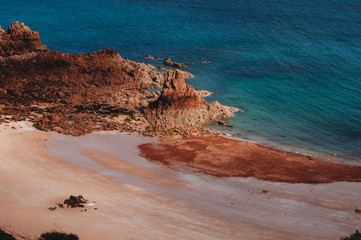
(294, 67)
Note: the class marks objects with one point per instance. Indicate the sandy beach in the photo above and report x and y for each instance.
(140, 199)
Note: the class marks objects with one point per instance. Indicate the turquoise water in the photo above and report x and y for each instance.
(294, 67)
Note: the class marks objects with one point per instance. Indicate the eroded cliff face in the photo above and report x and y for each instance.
(180, 106)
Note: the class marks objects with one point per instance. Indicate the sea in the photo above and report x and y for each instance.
(293, 67)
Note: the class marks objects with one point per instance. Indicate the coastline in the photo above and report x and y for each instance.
(204, 180)
(282, 146)
(225, 157)
(139, 199)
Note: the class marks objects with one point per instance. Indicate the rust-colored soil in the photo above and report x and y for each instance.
(226, 157)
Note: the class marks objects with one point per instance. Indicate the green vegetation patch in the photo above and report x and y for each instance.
(353, 236)
(6, 236)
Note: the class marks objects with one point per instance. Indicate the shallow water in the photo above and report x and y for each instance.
(293, 67)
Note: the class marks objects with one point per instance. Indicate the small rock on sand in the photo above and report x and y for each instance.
(358, 208)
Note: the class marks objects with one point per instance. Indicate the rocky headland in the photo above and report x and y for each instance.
(76, 94)
(80, 93)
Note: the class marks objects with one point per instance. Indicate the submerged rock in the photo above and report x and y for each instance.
(180, 106)
(224, 123)
(146, 57)
(169, 62)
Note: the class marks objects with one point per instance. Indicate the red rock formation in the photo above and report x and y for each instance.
(176, 93)
(19, 39)
(48, 76)
(80, 91)
(180, 106)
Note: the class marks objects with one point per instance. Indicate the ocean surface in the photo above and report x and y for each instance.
(294, 67)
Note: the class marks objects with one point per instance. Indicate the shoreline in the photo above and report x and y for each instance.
(314, 153)
(211, 187)
(225, 157)
(132, 193)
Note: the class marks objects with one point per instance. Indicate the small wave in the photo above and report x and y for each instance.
(237, 110)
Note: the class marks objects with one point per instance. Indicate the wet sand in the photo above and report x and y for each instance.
(140, 199)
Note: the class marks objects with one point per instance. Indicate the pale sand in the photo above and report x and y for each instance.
(137, 199)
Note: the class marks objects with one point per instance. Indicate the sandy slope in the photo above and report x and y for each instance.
(136, 199)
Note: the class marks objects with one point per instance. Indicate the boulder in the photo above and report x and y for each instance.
(358, 208)
(74, 201)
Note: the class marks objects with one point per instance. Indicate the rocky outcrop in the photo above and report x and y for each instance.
(19, 39)
(28, 76)
(70, 93)
(180, 106)
(149, 74)
(74, 201)
(52, 77)
(169, 62)
(80, 93)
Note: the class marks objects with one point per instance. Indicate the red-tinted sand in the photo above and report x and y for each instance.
(226, 157)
